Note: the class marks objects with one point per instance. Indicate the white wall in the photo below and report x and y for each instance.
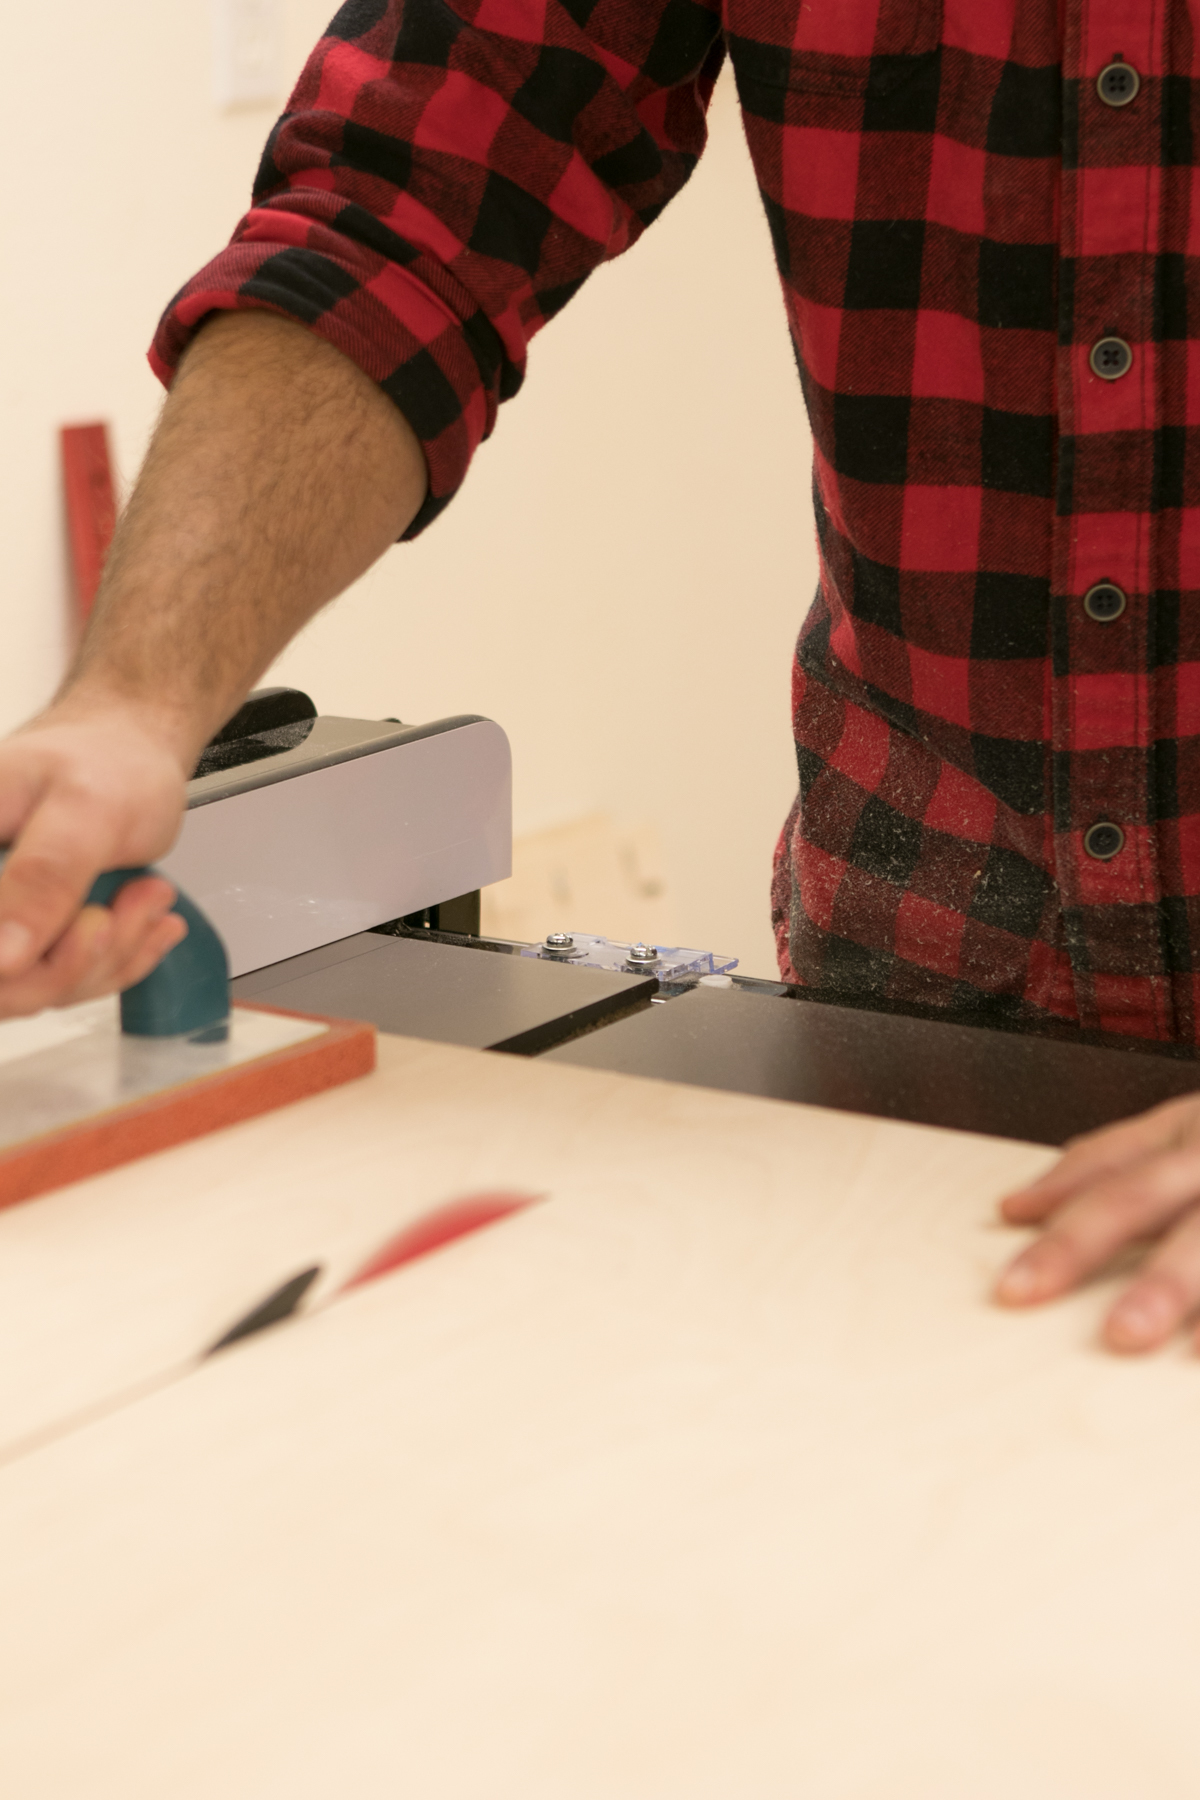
(621, 581)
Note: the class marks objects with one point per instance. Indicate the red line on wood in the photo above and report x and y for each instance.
(91, 506)
(435, 1229)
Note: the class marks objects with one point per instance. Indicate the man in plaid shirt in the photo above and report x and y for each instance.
(985, 220)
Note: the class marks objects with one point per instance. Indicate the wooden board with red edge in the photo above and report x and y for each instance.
(343, 1050)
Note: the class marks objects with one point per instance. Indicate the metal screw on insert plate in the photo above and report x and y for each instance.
(642, 956)
(559, 944)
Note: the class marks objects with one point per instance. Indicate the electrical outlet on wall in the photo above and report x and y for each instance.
(247, 52)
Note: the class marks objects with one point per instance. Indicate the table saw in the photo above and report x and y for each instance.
(341, 860)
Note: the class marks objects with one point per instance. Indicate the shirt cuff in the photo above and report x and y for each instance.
(443, 372)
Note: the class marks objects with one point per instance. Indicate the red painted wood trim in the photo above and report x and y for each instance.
(91, 506)
(344, 1052)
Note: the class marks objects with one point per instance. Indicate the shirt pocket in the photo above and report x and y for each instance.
(853, 48)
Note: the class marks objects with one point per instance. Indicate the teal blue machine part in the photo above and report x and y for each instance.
(188, 994)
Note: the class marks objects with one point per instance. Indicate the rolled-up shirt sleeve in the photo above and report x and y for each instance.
(446, 177)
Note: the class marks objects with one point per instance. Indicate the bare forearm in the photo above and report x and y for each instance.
(278, 473)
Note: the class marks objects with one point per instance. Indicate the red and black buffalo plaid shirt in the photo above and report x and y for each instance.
(988, 264)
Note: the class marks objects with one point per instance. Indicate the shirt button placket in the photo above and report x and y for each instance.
(1110, 189)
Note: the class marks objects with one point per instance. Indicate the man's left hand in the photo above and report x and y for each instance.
(1130, 1182)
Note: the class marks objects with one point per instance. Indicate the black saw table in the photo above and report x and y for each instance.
(754, 1037)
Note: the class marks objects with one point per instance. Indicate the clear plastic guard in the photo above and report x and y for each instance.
(670, 962)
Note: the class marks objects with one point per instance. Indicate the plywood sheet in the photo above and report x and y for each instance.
(118, 1280)
(713, 1476)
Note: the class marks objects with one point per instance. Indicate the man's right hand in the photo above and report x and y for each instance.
(84, 789)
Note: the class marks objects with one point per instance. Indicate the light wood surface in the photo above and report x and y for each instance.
(715, 1475)
(115, 1280)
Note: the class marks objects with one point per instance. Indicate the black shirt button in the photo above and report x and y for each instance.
(1104, 602)
(1111, 358)
(1118, 84)
(1104, 841)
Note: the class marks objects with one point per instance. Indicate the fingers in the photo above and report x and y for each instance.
(81, 793)
(1152, 1308)
(1164, 1296)
(144, 930)
(103, 950)
(156, 943)
(1100, 1154)
(46, 878)
(1105, 1216)
(59, 977)
(1131, 1181)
